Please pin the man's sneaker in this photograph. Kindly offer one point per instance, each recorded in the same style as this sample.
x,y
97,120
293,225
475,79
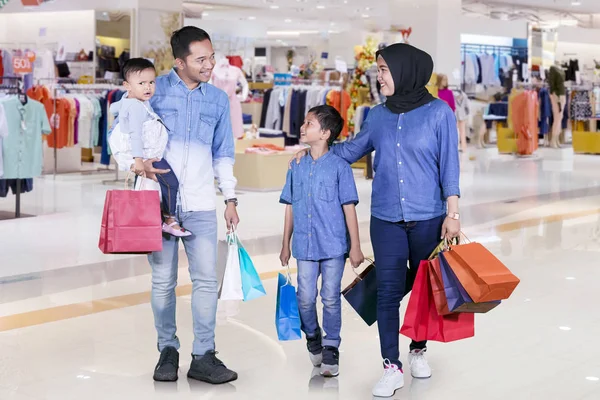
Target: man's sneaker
x,y
168,364
331,362
315,349
208,368
419,367
392,380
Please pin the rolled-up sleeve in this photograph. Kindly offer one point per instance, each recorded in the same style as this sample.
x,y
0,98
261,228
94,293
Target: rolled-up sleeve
x,y
223,152
449,160
286,194
346,186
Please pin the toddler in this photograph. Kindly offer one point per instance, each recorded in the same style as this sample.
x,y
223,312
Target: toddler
x,y
140,135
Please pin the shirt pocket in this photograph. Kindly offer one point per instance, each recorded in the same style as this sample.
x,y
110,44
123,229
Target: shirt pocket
x,y
326,192
297,192
206,131
169,120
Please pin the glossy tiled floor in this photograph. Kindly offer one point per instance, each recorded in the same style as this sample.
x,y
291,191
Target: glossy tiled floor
x,y
75,324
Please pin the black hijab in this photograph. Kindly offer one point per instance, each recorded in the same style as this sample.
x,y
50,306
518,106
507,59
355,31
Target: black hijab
x,y
411,70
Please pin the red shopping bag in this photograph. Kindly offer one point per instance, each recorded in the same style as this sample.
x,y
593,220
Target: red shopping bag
x,y
131,222
422,321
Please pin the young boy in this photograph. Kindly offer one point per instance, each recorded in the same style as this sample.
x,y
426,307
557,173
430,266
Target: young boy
x,y
320,197
146,136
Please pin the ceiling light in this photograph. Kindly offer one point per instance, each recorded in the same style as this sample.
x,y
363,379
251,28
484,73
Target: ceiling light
x,y
570,278
205,14
564,328
321,7
593,378
288,20
367,8
274,7
575,3
251,18
345,1
291,33
365,16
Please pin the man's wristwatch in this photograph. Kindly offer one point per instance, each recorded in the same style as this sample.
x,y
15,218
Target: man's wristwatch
x,y
233,200
455,216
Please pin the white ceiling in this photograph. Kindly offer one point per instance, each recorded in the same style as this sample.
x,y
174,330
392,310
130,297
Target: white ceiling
x,y
586,6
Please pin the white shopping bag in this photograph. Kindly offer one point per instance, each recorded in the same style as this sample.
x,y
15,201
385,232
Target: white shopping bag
x,y
232,280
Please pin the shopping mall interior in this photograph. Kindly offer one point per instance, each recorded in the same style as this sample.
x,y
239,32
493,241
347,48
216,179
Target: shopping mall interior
x,y
76,319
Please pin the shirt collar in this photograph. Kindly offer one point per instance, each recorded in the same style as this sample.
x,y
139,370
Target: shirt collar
x,y
174,79
322,158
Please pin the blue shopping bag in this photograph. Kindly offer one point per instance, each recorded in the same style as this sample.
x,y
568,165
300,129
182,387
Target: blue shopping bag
x,y
458,298
287,315
251,284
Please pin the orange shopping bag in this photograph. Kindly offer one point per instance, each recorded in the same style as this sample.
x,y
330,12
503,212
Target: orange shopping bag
x,y
482,275
422,321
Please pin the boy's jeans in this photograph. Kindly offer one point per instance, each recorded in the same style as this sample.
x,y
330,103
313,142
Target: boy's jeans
x,y
308,273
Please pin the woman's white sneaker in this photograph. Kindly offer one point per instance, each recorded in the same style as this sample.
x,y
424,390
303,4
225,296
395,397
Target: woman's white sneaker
x,y
392,380
419,367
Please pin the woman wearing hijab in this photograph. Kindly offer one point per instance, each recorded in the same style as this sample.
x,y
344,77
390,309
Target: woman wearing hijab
x,y
415,192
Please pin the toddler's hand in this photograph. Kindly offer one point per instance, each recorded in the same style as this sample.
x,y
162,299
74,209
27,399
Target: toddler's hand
x,y
285,256
138,167
356,257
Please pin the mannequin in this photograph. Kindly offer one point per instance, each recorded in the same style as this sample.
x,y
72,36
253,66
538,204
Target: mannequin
x,y
226,77
462,112
556,79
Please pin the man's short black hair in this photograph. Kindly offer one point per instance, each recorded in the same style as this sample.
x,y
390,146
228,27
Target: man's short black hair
x,y
330,119
181,40
135,65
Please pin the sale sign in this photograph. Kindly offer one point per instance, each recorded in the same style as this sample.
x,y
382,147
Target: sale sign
x,y
22,65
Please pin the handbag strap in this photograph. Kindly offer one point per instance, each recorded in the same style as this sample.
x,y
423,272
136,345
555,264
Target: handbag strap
x,y
366,259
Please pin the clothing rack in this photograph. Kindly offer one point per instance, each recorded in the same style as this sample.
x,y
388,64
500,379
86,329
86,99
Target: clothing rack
x,y
78,87
17,88
466,48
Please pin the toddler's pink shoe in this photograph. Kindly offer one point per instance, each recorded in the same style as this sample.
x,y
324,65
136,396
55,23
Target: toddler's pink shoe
x,y
177,232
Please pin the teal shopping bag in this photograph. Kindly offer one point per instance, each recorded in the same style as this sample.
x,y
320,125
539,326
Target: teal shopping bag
x,y
287,315
251,284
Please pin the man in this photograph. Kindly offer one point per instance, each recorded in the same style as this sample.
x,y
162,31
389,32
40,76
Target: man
x,y
200,149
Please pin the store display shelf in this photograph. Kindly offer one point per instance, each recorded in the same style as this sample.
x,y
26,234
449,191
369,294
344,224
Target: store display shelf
x,y
586,142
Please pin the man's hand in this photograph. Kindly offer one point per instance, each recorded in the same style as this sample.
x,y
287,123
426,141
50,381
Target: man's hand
x,y
450,229
285,256
138,167
231,216
151,171
356,257
298,157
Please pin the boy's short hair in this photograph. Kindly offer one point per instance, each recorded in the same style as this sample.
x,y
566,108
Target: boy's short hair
x,y
330,119
181,40
135,65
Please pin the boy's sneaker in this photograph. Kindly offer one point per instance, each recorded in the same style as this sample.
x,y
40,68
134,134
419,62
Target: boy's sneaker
x,y
419,367
331,362
392,380
315,349
168,364
208,368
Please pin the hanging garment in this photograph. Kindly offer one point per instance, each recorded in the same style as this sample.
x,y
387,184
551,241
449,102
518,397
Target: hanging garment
x,y
340,100
265,107
525,109
463,106
581,108
448,97
545,111
228,83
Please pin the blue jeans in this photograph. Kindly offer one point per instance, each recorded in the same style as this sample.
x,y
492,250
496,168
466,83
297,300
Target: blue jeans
x,y
397,245
308,273
169,185
201,250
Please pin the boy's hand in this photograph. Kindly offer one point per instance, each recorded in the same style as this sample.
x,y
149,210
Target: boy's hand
x,y
285,256
138,166
356,257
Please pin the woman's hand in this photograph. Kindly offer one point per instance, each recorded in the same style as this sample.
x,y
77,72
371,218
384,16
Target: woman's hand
x,y
450,229
298,157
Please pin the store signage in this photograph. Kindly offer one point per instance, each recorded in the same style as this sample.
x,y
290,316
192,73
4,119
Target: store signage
x,y
22,65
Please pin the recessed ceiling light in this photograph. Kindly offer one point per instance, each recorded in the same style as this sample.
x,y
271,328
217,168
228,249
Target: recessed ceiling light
x,y
365,16
251,18
593,378
321,7
570,278
273,7
564,328
288,20
345,1
575,3
205,14
368,8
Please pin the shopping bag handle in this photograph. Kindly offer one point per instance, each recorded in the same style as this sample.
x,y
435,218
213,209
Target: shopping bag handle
x,y
447,245
128,177
288,274
366,259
